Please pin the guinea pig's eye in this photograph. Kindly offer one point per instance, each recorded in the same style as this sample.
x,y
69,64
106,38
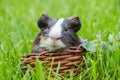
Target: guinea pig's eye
x,y
66,30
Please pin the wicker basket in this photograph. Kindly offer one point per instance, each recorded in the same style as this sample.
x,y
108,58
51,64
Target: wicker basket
x,y
68,58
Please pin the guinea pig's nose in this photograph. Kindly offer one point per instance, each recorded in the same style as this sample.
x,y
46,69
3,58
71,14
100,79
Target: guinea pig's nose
x,y
55,38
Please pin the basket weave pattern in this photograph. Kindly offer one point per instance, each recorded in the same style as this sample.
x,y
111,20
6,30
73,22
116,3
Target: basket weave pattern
x,y
67,58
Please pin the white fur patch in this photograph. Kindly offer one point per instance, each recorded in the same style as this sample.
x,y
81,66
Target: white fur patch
x,y
56,30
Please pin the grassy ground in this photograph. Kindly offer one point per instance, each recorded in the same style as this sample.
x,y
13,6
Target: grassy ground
x,y
18,29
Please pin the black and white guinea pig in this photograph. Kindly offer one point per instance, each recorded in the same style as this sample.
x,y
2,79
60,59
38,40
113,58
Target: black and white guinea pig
x,y
56,33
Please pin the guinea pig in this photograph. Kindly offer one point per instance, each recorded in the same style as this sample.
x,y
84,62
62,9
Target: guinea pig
x,y
56,33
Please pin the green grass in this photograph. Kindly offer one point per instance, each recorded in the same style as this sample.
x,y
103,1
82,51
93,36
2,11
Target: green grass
x,y
18,28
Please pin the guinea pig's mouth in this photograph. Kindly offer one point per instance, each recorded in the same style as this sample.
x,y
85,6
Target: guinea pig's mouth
x,y
54,47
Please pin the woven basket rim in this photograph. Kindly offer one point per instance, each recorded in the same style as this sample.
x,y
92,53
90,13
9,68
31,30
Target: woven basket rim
x,y
59,52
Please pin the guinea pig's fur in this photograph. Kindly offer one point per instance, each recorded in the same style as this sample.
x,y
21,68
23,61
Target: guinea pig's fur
x,y
56,33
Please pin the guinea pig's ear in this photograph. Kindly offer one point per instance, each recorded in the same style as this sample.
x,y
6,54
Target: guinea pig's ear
x,y
44,21
75,23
